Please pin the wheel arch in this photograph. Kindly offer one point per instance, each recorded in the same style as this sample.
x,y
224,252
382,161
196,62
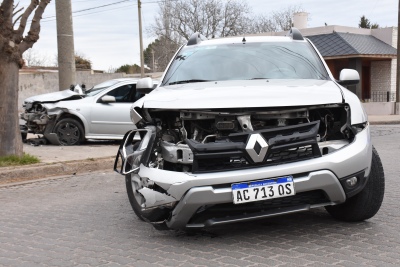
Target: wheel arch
x,y
76,116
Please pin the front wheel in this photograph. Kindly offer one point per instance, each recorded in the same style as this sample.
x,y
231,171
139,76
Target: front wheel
x,y
365,204
69,132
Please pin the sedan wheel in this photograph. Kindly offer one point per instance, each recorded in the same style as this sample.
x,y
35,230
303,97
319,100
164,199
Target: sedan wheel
x,y
69,132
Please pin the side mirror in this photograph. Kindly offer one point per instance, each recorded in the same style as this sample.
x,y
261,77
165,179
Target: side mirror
x,y
349,77
145,85
108,99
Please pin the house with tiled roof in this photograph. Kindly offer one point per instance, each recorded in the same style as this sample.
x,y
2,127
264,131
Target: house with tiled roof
x,y
372,52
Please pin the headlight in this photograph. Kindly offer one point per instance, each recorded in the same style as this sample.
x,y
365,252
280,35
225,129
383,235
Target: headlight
x,y
132,149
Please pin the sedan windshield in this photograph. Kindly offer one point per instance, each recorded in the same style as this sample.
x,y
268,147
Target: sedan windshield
x,y
247,61
100,87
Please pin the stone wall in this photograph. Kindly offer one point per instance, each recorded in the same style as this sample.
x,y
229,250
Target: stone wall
x,y
393,75
383,78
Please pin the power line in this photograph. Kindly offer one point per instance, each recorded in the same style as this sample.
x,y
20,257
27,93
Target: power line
x,y
53,18
91,8
90,13
83,1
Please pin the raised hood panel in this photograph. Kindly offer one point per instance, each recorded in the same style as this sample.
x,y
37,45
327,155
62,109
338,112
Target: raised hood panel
x,y
235,94
54,97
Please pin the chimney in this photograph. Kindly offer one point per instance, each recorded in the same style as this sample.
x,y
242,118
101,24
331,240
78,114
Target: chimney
x,y
300,20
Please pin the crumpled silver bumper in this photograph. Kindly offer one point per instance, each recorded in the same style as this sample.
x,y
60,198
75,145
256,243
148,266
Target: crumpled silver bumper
x,y
207,195
196,190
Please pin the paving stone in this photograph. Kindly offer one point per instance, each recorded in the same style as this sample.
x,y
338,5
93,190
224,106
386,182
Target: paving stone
x,y
81,221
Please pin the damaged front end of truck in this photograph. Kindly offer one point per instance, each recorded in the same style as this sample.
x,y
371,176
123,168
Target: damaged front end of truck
x,y
242,129
174,150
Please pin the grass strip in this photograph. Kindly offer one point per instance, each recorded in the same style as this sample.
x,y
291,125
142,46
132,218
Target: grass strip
x,y
13,160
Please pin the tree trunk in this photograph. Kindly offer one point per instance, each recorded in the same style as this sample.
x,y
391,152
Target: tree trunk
x,y
10,136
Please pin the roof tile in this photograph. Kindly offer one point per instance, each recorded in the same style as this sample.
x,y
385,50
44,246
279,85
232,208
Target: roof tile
x,y
342,44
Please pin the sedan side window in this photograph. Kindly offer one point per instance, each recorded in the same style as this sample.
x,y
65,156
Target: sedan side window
x,y
124,94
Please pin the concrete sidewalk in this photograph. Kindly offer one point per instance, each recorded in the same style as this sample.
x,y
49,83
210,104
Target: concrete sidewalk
x,y
89,157
384,119
63,160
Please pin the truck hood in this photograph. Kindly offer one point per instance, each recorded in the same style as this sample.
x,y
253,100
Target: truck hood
x,y
236,94
54,97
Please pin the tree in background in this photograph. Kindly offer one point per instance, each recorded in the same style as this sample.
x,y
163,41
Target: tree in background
x,y
129,69
276,21
158,54
81,62
33,58
148,54
13,43
177,20
366,23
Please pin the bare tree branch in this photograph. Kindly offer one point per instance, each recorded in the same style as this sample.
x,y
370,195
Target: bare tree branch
x,y
16,20
6,10
33,34
284,18
277,21
34,58
177,20
212,18
18,34
16,12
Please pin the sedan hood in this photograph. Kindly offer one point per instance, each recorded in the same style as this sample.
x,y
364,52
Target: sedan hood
x,y
236,94
54,97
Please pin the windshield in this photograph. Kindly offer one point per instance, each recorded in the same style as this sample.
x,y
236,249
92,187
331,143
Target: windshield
x,y
272,60
100,87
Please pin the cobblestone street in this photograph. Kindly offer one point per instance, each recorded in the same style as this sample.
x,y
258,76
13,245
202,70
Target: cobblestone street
x,y
87,221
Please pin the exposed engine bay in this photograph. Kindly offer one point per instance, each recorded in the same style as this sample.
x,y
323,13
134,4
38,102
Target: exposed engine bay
x,y
40,121
219,140
36,117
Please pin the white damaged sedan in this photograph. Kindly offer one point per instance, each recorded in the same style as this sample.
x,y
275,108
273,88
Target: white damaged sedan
x,y
70,117
247,128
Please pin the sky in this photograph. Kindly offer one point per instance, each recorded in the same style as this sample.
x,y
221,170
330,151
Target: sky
x,y
109,36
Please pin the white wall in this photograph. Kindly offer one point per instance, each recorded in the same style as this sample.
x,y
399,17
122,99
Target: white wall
x,y
387,35
379,108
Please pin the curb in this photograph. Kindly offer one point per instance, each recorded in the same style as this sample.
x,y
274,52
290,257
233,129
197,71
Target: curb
x,y
41,170
384,122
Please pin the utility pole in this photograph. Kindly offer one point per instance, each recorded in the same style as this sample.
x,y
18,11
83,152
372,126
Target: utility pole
x,y
398,64
65,42
154,66
141,40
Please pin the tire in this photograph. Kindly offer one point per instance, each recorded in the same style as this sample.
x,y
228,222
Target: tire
x,y
24,136
69,132
365,204
133,184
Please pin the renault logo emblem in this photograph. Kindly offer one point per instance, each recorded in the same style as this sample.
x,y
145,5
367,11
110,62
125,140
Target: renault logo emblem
x,y
257,147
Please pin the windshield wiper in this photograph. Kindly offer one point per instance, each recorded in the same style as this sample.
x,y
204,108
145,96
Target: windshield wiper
x,y
188,81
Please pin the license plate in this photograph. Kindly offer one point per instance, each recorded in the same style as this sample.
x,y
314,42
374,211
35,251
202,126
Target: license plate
x,y
263,190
